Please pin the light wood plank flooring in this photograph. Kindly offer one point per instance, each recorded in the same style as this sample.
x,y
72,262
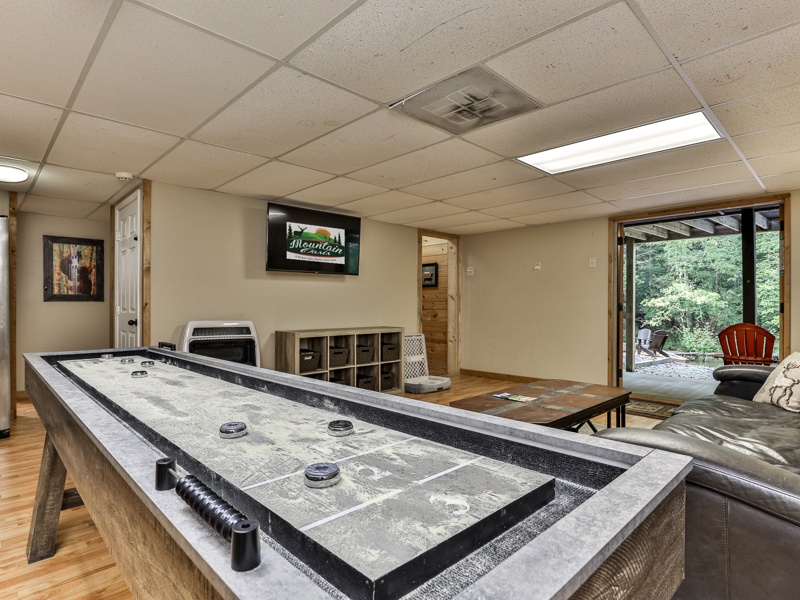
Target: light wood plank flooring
x,y
82,567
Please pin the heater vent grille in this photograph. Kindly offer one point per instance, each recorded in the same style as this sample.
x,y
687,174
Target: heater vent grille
x,y
467,101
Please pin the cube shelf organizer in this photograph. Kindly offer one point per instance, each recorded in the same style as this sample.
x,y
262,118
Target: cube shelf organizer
x,y
370,358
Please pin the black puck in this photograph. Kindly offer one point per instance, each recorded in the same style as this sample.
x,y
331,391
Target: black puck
x,y
148,363
139,374
340,428
322,475
233,429
126,361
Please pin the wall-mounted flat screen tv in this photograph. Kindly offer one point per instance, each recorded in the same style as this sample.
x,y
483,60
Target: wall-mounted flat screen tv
x,y
312,241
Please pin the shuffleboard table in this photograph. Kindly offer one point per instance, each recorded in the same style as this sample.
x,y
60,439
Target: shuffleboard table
x,y
427,501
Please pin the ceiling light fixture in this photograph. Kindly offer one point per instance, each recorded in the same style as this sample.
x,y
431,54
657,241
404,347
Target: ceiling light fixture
x,y
12,174
671,133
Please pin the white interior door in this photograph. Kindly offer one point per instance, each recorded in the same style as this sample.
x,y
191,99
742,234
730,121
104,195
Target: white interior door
x,y
128,276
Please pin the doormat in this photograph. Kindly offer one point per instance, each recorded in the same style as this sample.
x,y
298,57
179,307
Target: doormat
x,y
646,408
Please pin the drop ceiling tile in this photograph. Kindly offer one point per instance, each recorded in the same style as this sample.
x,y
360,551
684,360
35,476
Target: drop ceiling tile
x,y
735,189
390,201
101,213
763,64
597,51
777,164
496,175
782,183
622,106
763,111
540,205
156,72
393,47
708,154
59,207
432,210
276,27
282,112
74,184
197,165
771,141
674,182
48,71
273,180
96,144
691,28
529,190
487,227
337,191
375,138
465,218
26,128
452,156
570,214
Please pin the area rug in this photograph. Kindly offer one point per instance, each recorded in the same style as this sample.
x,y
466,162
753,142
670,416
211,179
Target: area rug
x,y
651,409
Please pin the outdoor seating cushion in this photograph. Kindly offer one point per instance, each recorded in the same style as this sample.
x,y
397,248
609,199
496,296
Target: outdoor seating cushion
x,y
782,387
756,430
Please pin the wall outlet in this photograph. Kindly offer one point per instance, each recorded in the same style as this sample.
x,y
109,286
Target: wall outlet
x,y
470,271
592,262
537,266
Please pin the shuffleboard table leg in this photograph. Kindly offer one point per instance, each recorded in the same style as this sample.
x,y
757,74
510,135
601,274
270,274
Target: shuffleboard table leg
x,y
47,504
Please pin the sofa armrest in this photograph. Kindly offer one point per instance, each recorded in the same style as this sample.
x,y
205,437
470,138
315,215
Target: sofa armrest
x,y
741,381
727,472
754,373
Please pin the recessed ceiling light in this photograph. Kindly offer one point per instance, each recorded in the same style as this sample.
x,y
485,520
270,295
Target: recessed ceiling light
x,y
672,133
12,174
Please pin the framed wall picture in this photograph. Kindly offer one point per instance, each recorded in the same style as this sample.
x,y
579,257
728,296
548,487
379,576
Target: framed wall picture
x,y
430,275
73,269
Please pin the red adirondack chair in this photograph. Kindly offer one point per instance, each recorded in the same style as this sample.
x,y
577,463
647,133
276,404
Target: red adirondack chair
x,y
746,344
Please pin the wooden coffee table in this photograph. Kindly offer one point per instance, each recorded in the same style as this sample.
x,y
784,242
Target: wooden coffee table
x,y
559,403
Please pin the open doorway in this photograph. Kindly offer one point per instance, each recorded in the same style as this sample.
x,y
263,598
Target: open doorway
x,y
439,302
683,279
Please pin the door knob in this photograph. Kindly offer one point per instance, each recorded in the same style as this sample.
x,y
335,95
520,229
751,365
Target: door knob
x,y
133,322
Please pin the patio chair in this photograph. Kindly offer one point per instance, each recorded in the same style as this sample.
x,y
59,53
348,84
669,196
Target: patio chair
x,y
418,379
657,342
746,344
643,342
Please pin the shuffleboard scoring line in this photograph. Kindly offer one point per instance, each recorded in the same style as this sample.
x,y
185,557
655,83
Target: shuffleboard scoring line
x,y
341,460
386,496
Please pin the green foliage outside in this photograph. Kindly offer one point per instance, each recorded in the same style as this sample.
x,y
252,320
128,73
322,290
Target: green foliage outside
x,y
693,288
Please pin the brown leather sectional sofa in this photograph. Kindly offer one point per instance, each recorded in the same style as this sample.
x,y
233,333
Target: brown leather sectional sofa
x,y
743,493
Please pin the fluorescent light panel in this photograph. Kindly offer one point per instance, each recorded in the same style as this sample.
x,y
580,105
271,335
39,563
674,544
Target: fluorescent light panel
x,y
672,133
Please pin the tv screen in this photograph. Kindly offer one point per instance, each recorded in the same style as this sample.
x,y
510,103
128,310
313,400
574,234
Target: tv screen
x,y
312,241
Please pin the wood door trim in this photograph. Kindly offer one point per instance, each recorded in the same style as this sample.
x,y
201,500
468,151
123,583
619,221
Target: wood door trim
x,y
147,190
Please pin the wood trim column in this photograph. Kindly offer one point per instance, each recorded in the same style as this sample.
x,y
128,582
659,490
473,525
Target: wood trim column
x,y
786,277
12,299
147,187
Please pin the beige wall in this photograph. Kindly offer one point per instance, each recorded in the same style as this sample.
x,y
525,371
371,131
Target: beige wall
x,y
55,326
3,203
548,323
208,262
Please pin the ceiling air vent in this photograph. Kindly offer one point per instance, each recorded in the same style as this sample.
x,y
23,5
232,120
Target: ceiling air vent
x,y
466,102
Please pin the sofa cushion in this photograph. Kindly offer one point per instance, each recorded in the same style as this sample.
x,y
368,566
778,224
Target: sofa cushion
x,y
782,387
773,442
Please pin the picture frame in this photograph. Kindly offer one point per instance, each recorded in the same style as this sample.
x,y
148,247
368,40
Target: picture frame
x,y
73,269
430,275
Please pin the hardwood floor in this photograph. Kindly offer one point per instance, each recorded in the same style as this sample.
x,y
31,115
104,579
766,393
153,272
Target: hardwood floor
x,y
82,567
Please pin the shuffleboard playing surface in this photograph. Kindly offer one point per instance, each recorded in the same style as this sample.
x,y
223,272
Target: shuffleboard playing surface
x,y
400,497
